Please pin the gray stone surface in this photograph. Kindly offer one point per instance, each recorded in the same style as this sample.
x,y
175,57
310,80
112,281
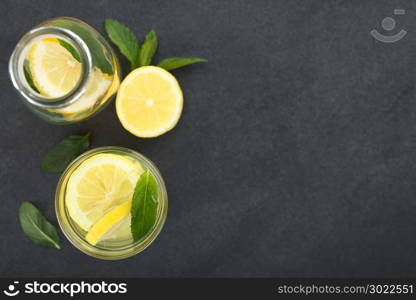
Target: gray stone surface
x,y
295,155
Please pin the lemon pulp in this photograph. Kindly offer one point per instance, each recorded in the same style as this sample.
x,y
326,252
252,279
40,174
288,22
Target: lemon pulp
x,y
149,102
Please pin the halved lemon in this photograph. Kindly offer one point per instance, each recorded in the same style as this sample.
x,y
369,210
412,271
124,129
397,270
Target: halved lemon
x,y
54,70
99,185
149,102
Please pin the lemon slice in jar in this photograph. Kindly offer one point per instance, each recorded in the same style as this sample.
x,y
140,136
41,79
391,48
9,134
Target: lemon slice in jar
x,y
55,72
96,88
107,222
99,185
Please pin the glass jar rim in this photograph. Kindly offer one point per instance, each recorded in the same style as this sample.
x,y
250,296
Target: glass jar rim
x,y
100,252
16,68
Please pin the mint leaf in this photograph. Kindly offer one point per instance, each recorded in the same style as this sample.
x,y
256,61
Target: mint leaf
x,y
148,49
124,39
63,153
37,227
172,63
144,206
70,49
28,76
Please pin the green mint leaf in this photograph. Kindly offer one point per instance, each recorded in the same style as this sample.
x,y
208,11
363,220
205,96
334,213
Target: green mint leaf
x,y
173,63
28,76
37,227
70,49
148,49
144,206
63,153
93,40
124,39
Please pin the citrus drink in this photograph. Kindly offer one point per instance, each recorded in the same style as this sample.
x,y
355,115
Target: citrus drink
x,y
94,200
64,70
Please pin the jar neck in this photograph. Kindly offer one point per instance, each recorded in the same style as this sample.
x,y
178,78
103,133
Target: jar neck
x,y
17,60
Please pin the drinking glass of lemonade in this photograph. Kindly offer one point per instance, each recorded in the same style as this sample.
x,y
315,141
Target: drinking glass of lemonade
x,y
94,198
64,70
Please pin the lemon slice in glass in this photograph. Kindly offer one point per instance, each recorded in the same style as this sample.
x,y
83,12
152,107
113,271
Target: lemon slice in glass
x,y
108,222
149,102
98,186
54,70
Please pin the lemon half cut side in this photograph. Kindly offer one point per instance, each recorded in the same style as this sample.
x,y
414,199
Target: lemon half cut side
x,y
149,102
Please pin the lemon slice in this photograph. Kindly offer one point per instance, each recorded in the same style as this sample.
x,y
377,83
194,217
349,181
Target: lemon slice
x,y
149,102
119,234
96,88
106,223
54,70
98,185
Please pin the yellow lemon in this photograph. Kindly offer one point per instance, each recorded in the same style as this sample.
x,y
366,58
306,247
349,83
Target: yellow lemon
x,y
107,222
96,88
55,72
149,102
99,185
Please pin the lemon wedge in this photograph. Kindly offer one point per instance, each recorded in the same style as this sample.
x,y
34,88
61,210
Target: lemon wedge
x,y
107,222
149,102
54,70
99,185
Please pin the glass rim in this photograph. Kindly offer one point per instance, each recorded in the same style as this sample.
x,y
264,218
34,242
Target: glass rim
x,y
16,73
78,241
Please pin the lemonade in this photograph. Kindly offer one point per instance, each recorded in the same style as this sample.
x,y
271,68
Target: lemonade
x,y
64,70
94,200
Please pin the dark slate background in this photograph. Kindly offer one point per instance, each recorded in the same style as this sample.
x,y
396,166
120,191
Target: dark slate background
x,y
295,154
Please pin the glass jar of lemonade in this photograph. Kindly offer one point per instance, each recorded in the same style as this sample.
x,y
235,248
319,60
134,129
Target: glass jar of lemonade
x,y
93,202
64,70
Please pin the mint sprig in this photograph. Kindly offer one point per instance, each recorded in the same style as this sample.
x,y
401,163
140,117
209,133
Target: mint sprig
x,y
37,227
63,153
148,48
29,78
144,206
141,56
124,39
70,49
173,63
